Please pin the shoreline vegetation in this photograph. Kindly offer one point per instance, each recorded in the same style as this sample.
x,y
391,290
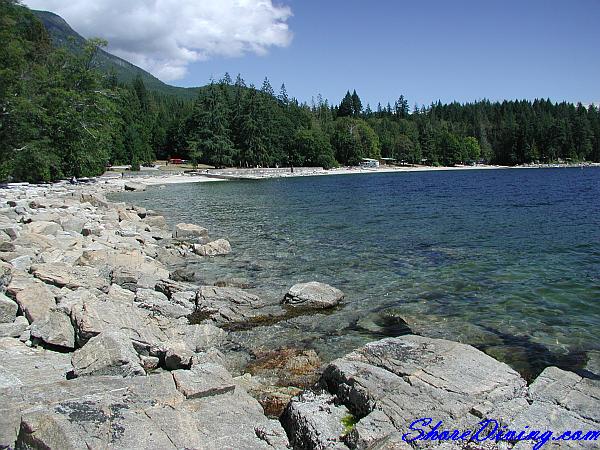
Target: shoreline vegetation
x,y
66,114
103,344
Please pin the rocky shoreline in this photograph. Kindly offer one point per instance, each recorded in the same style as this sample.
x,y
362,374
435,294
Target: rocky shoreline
x,y
103,344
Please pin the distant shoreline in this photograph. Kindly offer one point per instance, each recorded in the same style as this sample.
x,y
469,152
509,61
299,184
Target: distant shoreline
x,y
157,178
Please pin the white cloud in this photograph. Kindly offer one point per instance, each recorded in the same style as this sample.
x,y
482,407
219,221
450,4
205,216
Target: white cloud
x,y
165,36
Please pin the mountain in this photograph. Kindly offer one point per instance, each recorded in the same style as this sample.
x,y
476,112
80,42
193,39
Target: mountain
x,y
63,35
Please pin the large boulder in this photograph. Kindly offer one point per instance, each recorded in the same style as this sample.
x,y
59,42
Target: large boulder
x,y
156,222
313,295
14,329
159,303
72,277
219,247
8,309
227,305
93,315
390,383
43,227
36,301
134,186
25,366
55,329
109,353
190,232
139,412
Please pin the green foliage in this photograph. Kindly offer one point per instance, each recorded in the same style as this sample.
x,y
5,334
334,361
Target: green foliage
x,y
71,110
349,422
353,140
313,149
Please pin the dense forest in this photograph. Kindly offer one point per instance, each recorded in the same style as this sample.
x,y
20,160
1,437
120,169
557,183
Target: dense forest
x,y
61,116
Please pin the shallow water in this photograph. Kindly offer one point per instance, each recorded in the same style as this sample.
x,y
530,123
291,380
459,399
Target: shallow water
x,y
507,260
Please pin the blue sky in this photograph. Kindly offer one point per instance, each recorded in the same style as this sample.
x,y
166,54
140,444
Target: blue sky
x,y
427,50
449,50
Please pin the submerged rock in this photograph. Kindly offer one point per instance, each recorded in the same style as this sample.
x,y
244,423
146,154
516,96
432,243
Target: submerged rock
x,y
313,295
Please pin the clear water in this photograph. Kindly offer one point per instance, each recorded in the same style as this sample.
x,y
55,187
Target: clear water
x,y
506,260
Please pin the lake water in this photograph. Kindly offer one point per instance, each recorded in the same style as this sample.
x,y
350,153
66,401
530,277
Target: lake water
x,y
506,260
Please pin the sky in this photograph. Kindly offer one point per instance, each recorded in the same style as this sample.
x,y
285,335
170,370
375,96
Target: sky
x,y
429,50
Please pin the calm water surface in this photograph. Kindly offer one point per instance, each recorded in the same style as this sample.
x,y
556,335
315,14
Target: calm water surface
x,y
507,260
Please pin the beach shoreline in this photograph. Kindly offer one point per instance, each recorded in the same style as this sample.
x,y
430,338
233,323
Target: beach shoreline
x,y
209,175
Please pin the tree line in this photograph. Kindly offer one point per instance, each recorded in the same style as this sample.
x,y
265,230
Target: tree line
x,y
61,117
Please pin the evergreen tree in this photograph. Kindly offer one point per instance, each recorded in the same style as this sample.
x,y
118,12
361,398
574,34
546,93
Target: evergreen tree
x,y
209,140
283,96
356,104
346,107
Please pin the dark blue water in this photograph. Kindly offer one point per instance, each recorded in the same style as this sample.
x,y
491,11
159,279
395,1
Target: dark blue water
x,y
507,260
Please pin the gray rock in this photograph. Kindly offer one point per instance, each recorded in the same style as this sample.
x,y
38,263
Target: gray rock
x,y
36,301
22,263
314,421
94,199
8,309
133,186
203,381
170,287
159,303
393,381
72,277
141,412
569,391
35,242
199,338
92,316
6,247
11,231
219,247
21,365
14,329
149,363
227,305
178,356
593,362
182,275
313,295
119,294
190,232
54,329
5,275
43,227
109,353
71,223
157,222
